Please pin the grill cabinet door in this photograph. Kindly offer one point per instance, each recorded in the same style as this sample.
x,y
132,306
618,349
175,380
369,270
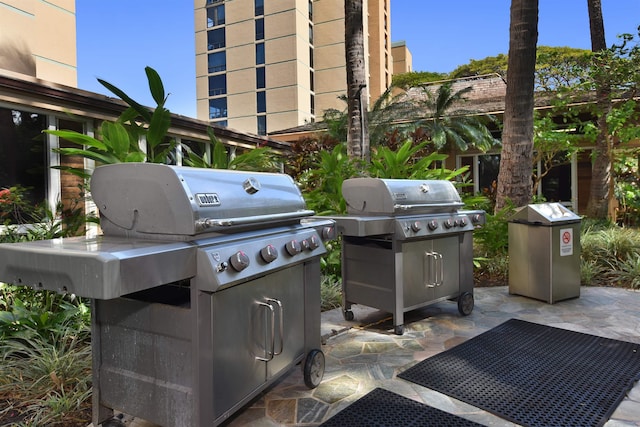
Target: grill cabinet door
x,y
242,334
430,270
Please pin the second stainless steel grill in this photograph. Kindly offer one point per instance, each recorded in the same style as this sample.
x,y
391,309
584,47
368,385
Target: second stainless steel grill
x,y
405,244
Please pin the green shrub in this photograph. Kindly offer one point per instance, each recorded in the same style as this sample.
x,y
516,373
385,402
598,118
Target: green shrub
x,y
610,255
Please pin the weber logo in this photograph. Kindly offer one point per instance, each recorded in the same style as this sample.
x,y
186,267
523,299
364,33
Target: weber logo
x,y
208,199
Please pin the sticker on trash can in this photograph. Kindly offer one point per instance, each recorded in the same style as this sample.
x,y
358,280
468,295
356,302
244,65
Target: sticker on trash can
x,y
566,241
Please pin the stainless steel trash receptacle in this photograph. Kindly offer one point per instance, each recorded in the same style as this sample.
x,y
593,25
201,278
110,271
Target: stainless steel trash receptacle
x,y
544,252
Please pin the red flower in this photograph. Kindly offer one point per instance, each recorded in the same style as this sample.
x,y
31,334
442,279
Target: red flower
x,y
5,193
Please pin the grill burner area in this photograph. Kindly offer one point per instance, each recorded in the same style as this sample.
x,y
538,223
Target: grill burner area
x,y
405,245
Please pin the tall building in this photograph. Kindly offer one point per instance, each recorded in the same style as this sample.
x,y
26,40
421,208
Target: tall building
x,y
38,38
263,66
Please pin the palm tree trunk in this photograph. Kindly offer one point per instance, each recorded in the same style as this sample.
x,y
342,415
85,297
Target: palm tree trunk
x,y
601,191
357,103
516,167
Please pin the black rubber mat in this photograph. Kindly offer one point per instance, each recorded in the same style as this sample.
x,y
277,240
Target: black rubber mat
x,y
382,408
535,375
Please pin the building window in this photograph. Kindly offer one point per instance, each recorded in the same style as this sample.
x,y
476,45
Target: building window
x,y
217,85
262,125
215,39
215,16
214,1
311,56
310,33
311,81
312,104
556,183
260,29
261,81
260,59
261,101
221,123
23,154
311,10
259,4
217,61
217,108
483,170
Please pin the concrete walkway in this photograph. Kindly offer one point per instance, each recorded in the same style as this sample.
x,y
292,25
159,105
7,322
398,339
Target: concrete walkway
x,y
365,353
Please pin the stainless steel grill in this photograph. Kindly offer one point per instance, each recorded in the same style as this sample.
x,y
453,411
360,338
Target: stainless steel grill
x,y
205,288
405,245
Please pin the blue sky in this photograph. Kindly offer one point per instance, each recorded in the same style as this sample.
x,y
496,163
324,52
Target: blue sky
x,y
118,38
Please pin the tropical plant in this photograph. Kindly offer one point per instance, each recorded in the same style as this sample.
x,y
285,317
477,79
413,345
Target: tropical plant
x,y
446,130
257,159
322,185
119,140
410,162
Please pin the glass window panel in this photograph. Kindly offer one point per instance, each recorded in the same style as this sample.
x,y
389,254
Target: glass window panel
x,y
259,7
217,61
261,98
311,81
216,39
310,33
262,125
217,85
217,108
311,56
23,155
261,81
260,59
556,184
215,16
488,168
260,29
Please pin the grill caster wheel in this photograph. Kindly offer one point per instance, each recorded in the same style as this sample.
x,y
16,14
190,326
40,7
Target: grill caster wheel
x,y
313,369
465,303
398,329
348,315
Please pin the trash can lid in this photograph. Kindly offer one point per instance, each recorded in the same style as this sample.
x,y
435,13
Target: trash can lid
x,y
544,214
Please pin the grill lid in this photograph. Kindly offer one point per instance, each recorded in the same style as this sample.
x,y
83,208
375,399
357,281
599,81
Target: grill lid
x,y
150,199
376,196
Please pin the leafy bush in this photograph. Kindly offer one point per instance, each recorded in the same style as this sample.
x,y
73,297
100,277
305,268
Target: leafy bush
x,y
610,255
45,379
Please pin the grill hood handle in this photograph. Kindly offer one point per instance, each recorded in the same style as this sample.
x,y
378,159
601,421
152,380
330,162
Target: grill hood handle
x,y
452,205
207,223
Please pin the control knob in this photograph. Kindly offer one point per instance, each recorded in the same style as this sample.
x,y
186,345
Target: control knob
x,y
433,224
312,243
416,226
239,261
448,223
463,222
269,253
328,233
293,247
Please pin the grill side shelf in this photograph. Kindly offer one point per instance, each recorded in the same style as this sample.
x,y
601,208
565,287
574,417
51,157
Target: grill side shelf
x,y
99,268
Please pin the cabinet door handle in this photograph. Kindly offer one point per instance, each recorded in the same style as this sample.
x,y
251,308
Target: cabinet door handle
x,y
278,303
429,258
439,268
271,353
